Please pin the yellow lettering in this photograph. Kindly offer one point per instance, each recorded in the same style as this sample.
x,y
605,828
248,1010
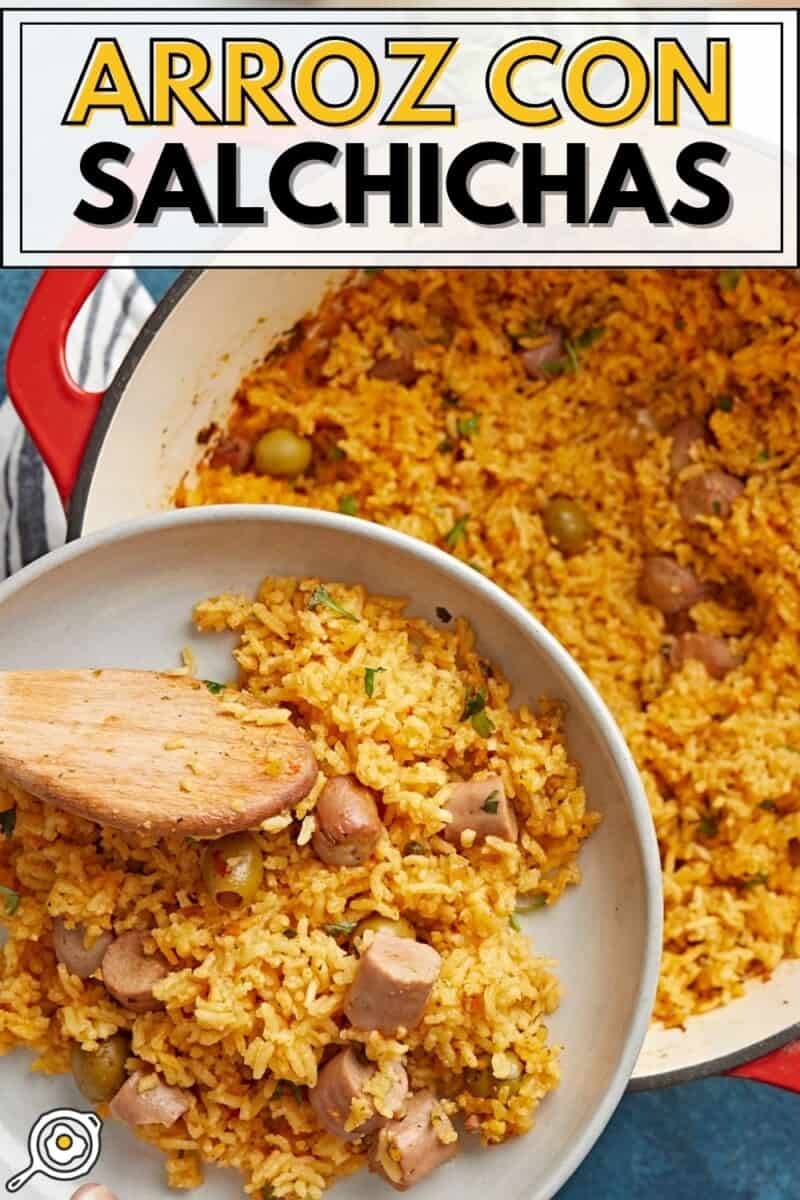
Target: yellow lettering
x,y
105,83
577,75
179,69
673,67
408,107
305,82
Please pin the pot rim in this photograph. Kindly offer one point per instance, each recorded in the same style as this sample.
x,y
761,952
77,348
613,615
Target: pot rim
x,y
113,395
75,517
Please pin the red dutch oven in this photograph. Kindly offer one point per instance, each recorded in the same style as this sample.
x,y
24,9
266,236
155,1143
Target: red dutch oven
x,y
120,454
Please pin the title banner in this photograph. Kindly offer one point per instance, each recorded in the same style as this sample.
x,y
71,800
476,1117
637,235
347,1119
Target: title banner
x,y
381,136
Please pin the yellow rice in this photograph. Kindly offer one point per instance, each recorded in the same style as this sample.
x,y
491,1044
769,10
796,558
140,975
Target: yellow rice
x,y
720,760
254,997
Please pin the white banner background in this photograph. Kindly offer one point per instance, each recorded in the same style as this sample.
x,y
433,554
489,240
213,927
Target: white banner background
x,y
44,53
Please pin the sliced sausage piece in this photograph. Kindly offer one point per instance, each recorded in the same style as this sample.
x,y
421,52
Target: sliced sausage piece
x,y
158,1105
394,980
348,825
482,805
399,367
341,1081
233,452
93,1191
130,974
713,652
408,1150
72,952
668,586
549,351
687,433
708,495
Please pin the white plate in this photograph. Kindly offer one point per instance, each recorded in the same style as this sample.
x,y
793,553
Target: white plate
x,y
123,598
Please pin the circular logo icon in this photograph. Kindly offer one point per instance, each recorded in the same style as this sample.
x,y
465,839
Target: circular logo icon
x,y
63,1144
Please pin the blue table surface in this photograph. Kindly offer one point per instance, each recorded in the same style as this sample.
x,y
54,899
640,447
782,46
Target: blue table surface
x,y
717,1139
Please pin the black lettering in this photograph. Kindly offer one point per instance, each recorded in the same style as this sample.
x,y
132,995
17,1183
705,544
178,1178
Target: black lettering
x,y
281,183
174,163
719,198
629,162
459,176
359,184
430,183
536,183
229,210
93,160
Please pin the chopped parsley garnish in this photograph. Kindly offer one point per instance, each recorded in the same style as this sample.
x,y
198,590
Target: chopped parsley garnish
x,y
572,359
10,899
716,507
728,280
369,679
336,453
348,505
708,826
557,367
474,702
768,806
725,403
445,446
8,820
763,456
531,902
466,426
572,354
283,1086
514,923
321,596
680,324
482,724
341,928
491,803
755,880
475,713
443,614
589,337
476,567
214,687
457,533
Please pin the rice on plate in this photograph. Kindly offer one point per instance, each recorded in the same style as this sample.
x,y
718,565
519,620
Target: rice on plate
x,y
238,1001
617,449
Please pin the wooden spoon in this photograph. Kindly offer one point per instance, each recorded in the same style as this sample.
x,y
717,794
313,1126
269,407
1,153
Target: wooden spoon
x,y
148,752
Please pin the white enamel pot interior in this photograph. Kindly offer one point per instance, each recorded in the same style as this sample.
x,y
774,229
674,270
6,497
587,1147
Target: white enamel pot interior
x,y
123,597
180,374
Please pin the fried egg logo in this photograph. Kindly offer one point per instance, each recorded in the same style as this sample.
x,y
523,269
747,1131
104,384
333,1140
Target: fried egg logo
x,y
63,1144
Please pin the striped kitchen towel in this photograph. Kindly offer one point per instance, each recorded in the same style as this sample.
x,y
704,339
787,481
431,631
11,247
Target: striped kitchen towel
x,y
31,517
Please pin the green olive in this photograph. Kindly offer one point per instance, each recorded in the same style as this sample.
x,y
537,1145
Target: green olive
x,y
480,1081
282,452
100,1073
400,928
233,869
566,524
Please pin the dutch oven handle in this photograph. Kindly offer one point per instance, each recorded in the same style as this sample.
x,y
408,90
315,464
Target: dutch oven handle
x,y
59,415
781,1068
